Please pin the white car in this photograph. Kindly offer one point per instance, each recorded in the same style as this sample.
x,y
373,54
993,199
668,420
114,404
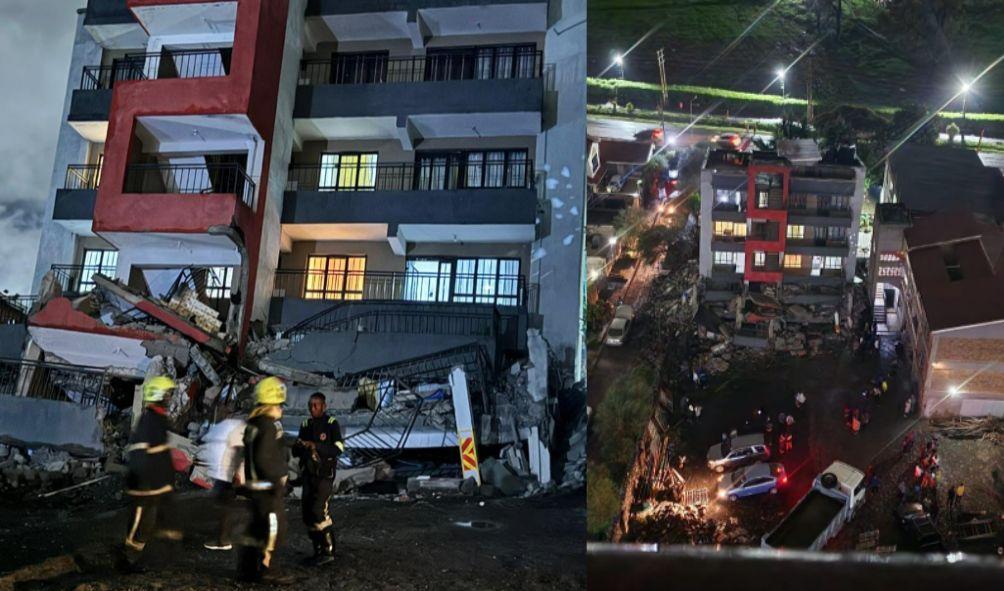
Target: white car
x,y
618,330
752,480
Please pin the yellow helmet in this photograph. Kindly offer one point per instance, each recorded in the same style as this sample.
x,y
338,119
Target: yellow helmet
x,y
156,388
271,390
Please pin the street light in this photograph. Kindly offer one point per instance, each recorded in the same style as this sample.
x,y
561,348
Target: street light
x,y
619,60
964,88
612,241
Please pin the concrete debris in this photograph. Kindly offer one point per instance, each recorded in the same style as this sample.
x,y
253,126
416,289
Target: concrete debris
x,y
348,479
499,475
204,364
575,460
514,458
187,305
537,368
163,348
429,485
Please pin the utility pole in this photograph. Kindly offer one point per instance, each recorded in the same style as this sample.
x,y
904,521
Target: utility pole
x,y
661,57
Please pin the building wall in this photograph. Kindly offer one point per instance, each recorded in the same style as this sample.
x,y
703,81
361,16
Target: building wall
x,y
380,256
559,259
707,223
57,244
966,374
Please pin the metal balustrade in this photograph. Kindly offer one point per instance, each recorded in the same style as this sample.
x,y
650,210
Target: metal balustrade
x,y
54,381
446,176
464,288
175,63
82,176
491,64
190,178
14,309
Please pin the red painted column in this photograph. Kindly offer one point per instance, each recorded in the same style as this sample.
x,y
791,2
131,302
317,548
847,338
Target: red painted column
x,y
772,215
251,89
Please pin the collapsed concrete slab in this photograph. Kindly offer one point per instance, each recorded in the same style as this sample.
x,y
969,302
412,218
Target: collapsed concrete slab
x,y
33,422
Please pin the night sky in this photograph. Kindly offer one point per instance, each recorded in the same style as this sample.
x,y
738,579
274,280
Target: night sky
x,y
36,38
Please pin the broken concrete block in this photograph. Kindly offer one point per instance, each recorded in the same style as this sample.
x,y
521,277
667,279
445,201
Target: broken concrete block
x,y
162,348
204,365
348,479
537,372
469,487
430,485
498,475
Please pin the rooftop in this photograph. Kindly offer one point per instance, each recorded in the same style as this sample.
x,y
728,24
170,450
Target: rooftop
x,y
946,179
956,264
624,151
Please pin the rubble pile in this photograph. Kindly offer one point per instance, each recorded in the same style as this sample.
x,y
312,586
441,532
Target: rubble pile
x,y
676,523
985,428
24,471
575,461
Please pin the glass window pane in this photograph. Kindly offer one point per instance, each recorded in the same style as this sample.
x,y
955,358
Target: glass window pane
x,y
483,66
348,171
504,62
315,277
367,171
475,162
495,169
329,172
355,278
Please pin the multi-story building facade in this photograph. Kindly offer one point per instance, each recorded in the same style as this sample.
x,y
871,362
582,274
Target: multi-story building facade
x,y
419,154
921,181
952,324
770,225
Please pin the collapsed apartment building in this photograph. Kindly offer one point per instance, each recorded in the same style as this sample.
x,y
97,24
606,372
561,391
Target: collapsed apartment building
x,y
778,242
377,202
934,275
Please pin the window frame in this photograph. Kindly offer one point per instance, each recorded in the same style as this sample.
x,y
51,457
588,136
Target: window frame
x,y
84,283
346,276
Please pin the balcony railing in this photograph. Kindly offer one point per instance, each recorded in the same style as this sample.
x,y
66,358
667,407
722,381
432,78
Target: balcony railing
x,y
821,211
837,242
180,63
190,178
82,176
500,290
15,308
411,177
52,381
105,77
461,65
75,280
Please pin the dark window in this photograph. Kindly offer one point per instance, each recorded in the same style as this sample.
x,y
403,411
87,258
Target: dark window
x,y
489,169
952,265
359,68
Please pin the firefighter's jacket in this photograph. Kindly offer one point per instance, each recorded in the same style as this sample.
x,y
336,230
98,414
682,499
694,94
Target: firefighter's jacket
x,y
151,471
326,435
265,462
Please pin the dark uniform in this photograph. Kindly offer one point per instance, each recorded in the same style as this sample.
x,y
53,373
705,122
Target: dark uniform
x,y
318,474
149,479
265,471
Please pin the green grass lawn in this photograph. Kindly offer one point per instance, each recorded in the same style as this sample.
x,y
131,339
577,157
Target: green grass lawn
x,y
880,59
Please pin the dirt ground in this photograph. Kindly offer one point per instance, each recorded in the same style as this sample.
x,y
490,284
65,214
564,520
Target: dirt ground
x,y
444,543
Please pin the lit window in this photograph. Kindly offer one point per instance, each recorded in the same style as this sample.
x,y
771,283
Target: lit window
x,y
889,258
348,172
335,278
725,257
792,261
759,258
833,262
796,232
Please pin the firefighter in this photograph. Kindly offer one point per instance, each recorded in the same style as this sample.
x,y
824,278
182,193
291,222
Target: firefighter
x,y
318,446
150,476
265,472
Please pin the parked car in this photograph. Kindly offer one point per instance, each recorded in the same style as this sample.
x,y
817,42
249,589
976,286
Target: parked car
x,y
729,141
752,480
618,330
614,282
744,450
921,533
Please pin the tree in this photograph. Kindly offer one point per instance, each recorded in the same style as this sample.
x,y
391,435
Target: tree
x,y
621,418
630,223
906,118
654,241
603,501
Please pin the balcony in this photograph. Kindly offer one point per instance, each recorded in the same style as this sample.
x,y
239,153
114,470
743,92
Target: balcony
x,y
817,246
92,101
75,200
85,386
14,309
75,280
404,302
208,179
442,83
411,194
770,198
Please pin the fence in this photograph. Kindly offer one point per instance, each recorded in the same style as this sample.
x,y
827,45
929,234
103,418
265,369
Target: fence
x,y
499,63
82,176
465,288
178,63
431,176
190,178
53,381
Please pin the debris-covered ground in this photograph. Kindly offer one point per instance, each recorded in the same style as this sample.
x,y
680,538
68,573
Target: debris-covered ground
x,y
384,542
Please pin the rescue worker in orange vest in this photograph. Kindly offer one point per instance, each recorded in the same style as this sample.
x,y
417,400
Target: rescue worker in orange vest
x,y
265,473
318,446
150,476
